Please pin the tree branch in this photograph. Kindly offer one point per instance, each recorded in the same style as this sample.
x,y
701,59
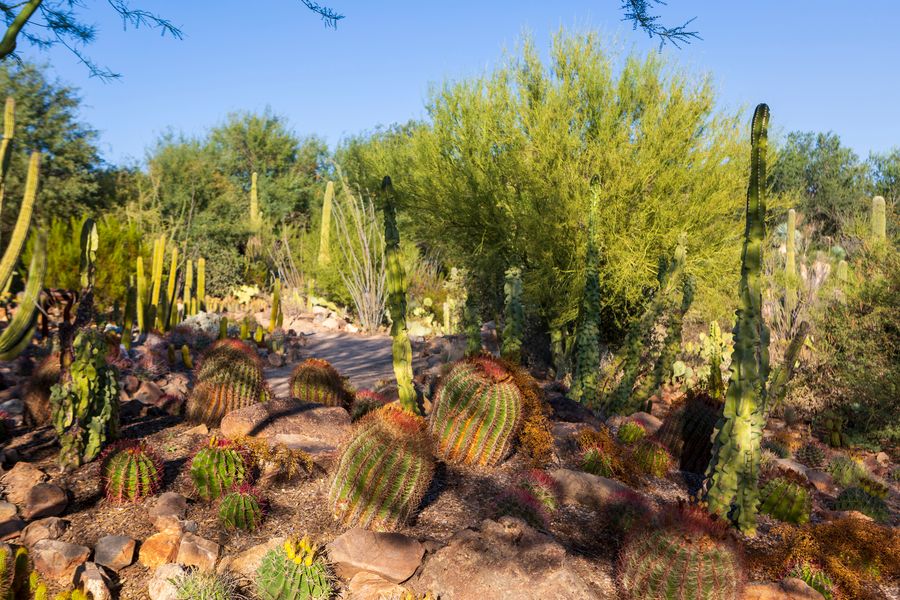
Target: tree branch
x,y
8,43
638,11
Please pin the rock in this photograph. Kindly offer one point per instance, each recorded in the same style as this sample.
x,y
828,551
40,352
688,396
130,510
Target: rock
x,y
131,384
789,588
820,480
51,528
334,323
148,393
13,407
19,480
8,511
11,528
313,428
351,328
159,548
195,551
883,459
369,586
45,500
160,587
168,512
577,487
114,551
275,360
245,563
505,559
650,423
564,444
91,578
176,385
58,560
200,429
393,556
787,464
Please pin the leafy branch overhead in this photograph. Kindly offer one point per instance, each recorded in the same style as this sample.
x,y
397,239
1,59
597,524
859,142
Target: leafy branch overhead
x,y
638,11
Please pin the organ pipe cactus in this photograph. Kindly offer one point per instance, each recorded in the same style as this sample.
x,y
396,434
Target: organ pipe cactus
x,y
315,380
217,467
201,284
188,287
255,222
9,127
276,317
585,383
141,290
294,571
401,349
229,376
325,230
477,412
156,270
130,472
514,314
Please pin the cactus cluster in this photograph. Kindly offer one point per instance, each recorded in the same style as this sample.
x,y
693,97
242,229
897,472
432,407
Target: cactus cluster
x,y
130,472
364,402
217,468
873,487
315,380
652,458
477,412
229,377
846,471
815,578
384,470
812,455
241,509
831,429
514,316
687,431
205,585
295,571
630,432
786,501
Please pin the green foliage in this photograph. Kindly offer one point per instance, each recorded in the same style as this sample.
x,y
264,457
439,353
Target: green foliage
x,y
85,406
815,578
786,500
383,472
630,432
651,458
846,471
873,487
477,412
229,376
315,380
855,498
687,431
130,472
514,316
295,571
241,509
204,585
216,468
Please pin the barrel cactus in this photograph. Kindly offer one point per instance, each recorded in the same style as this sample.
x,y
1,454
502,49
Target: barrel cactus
x,y
130,471
873,487
687,557
812,455
229,377
477,412
652,458
856,498
597,462
294,571
786,501
218,467
315,380
523,504
543,487
364,402
241,509
384,470
630,432
204,585
687,432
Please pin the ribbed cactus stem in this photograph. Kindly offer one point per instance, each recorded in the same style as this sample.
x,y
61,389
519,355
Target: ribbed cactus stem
x,y
790,268
171,302
188,286
90,243
141,290
396,285
131,300
18,333
9,126
325,231
843,272
254,204
276,306
201,284
156,270
514,315
23,222
879,220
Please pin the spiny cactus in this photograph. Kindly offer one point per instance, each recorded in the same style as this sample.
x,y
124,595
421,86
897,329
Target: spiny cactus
x,y
815,578
652,458
276,318
873,487
630,432
856,498
229,377
241,509
325,229
140,306
597,462
201,284
186,357
879,220
522,503
188,284
585,382
846,471
543,487
15,567
130,472
786,501
687,558
295,571
687,431
364,402
223,328
205,585
85,406
156,270
514,315
384,470
477,412
218,467
831,428
812,455
315,380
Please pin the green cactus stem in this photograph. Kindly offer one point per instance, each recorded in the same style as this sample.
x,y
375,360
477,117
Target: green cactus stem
x,y
156,271
241,509
514,315
18,333
223,328
141,304
23,222
229,377
218,467
316,381
130,471
276,318
585,382
255,222
201,284
790,269
325,230
786,501
9,126
188,287
186,359
879,220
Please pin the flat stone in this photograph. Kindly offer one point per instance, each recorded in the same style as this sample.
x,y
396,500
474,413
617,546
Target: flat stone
x,y
393,556
58,560
369,586
130,384
19,480
195,551
114,551
789,588
200,429
787,464
50,528
8,510
247,562
820,480
159,549
11,528
577,487
160,586
45,500
648,421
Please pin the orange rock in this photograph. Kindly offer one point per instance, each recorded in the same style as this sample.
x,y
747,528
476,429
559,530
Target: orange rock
x,y
159,549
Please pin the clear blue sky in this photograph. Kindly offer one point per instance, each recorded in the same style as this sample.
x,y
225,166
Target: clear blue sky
x,y
821,65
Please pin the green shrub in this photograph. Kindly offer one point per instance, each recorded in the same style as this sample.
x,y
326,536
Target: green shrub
x,y
846,471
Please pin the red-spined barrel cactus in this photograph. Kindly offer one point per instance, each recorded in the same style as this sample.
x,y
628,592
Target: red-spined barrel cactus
x,y
217,467
383,472
364,402
229,377
130,471
315,380
477,412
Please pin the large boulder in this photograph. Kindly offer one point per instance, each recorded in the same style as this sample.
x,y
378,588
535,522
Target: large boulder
x,y
593,491
19,480
44,500
393,556
502,559
58,560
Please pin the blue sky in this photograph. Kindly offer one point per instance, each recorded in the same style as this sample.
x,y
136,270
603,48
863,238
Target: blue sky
x,y
821,65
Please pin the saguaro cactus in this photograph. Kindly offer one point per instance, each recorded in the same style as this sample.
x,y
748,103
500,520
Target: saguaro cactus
x,y
879,220
276,318
325,230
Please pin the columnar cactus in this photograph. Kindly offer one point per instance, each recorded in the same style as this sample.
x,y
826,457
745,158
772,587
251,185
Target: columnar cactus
x,y
325,229
156,271
514,315
255,221
188,287
15,567
585,382
295,571
786,501
383,472
229,376
241,509
276,318
315,380
171,301
217,467
141,304
130,472
879,220
790,269
201,284
18,333
477,413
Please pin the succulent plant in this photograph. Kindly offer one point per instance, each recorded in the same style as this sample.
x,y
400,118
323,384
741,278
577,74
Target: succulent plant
x,y
776,447
630,432
522,503
15,567
241,509
625,510
229,377
855,498
514,316
364,402
687,431
652,458
846,471
477,412
815,578
812,455
218,467
543,487
205,585
130,471
384,470
786,501
873,487
315,380
295,571
597,462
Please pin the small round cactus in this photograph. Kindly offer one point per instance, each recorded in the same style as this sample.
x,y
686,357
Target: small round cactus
x,y
203,585
597,462
543,487
241,509
315,380
522,503
130,471
873,487
786,501
855,498
218,467
812,455
630,432
295,571
364,402
652,458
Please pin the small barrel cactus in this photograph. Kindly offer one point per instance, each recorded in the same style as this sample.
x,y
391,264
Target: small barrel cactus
x,y
204,585
130,471
786,501
873,487
776,447
689,557
229,377
295,571
652,458
477,412
846,471
522,503
597,462
315,380
218,467
630,432
384,470
543,487
364,402
812,455
855,498
241,509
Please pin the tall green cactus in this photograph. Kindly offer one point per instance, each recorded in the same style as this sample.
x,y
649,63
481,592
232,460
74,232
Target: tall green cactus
x,y
23,221
325,230
156,271
188,287
514,315
9,127
141,291
131,300
879,220
585,382
15,570
201,284
18,333
401,348
790,269
90,243
276,318
171,303
255,222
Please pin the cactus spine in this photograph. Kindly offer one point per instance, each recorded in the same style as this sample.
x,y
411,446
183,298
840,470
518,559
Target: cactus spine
x,y
325,231
585,383
514,314
879,220
229,377
316,381
396,285
23,221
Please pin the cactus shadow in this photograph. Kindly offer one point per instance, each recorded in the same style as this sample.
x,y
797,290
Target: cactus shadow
x,y
437,487
171,470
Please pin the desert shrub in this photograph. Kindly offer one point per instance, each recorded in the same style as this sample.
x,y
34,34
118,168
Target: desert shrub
x,y
535,439
846,471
